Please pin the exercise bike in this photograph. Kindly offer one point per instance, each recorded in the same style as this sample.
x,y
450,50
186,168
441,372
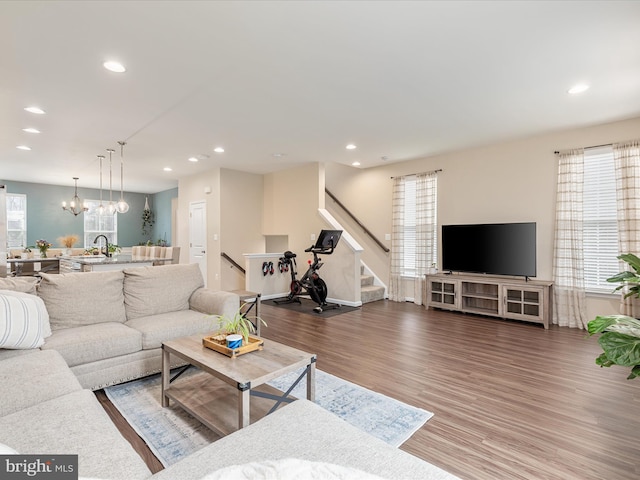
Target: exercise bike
x,y
310,282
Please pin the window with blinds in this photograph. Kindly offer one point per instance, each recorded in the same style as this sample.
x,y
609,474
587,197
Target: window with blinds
x,y
96,224
16,220
410,231
409,240
600,226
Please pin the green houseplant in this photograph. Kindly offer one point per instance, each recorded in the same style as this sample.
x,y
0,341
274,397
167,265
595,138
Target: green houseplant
x,y
239,324
620,334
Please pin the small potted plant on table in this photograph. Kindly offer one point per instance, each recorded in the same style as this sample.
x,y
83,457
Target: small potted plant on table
x,y
234,332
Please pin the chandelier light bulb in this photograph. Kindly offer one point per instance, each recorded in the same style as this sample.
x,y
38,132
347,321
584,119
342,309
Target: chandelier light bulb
x,y
122,206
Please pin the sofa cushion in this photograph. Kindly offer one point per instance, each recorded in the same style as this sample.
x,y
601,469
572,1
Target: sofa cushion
x,y
34,378
26,284
75,299
74,424
24,321
10,353
306,431
90,343
290,469
156,329
162,289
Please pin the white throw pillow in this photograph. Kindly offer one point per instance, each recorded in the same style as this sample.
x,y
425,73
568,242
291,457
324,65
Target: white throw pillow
x,y
6,450
290,469
24,320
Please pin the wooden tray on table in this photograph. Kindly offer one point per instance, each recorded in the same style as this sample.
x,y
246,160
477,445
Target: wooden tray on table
x,y
254,343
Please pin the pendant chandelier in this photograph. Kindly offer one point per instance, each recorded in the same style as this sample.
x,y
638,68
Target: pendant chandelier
x,y
101,209
111,207
76,206
122,206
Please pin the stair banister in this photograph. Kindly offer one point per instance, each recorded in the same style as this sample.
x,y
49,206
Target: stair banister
x,y
358,222
232,262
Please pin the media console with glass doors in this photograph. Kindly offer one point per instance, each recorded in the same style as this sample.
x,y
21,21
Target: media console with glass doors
x,y
504,297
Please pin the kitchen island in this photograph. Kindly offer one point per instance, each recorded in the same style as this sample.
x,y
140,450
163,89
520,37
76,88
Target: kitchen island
x,y
100,263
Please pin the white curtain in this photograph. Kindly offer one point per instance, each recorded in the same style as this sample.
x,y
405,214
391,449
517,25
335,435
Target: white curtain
x,y
426,238
627,166
425,234
569,305
396,287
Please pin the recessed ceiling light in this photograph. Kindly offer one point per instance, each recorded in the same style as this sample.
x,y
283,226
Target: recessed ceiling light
x,y
193,159
168,169
31,130
218,150
278,155
23,147
351,146
36,110
578,88
356,164
116,67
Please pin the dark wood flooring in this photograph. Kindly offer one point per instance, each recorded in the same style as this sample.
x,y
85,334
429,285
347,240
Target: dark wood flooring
x,y
511,400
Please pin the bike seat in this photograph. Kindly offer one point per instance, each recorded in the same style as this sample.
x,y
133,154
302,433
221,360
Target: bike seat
x,y
289,254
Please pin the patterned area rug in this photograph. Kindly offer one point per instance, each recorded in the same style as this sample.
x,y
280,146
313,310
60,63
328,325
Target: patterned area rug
x,y
172,434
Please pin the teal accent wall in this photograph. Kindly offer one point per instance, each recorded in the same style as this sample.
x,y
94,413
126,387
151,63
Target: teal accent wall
x,y
47,220
161,206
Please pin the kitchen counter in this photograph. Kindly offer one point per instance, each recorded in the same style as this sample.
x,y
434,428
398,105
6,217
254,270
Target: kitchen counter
x,y
95,263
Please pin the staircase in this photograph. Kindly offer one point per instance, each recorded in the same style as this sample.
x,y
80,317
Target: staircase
x,y
368,291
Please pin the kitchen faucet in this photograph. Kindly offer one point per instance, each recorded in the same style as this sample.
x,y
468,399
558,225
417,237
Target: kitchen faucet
x,y
106,244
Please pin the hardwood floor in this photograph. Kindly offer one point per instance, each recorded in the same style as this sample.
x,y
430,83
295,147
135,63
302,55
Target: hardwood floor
x,y
511,400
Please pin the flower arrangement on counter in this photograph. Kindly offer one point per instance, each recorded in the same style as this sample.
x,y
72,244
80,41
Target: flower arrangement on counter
x,y
43,246
68,240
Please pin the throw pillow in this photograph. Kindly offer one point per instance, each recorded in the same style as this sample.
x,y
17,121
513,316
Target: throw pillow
x,y
78,299
26,284
24,321
163,289
6,450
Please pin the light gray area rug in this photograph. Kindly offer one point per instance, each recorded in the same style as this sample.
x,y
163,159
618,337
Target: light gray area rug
x,y
172,434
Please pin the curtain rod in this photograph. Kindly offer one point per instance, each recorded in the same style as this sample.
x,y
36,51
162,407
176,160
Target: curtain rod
x,y
409,174
592,146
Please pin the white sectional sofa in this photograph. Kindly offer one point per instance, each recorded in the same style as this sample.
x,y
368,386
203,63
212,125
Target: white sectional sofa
x,y
109,326
106,328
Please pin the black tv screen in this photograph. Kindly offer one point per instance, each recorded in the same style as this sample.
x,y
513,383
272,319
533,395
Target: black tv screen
x,y
495,248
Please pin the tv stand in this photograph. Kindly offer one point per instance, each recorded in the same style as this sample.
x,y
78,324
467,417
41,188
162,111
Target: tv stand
x,y
504,297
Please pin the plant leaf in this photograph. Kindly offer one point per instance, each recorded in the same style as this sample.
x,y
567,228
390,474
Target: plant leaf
x,y
601,323
621,349
631,259
603,360
635,372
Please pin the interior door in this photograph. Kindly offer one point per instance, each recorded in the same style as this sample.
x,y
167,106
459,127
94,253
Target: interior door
x,y
198,236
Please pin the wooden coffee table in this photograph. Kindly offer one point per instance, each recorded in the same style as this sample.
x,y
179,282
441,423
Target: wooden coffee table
x,y
221,396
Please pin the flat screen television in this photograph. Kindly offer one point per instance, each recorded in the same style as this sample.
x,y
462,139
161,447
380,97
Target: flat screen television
x,y
493,248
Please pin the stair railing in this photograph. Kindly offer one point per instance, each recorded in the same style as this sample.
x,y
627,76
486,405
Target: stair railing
x,y
358,222
233,262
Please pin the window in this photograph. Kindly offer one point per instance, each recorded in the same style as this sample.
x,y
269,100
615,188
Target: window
x,y
600,225
96,224
16,220
410,233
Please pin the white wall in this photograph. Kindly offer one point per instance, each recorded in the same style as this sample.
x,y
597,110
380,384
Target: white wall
x,y
192,189
506,182
241,198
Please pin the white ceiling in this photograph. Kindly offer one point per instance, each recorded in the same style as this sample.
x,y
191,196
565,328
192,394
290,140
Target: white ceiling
x,y
402,80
